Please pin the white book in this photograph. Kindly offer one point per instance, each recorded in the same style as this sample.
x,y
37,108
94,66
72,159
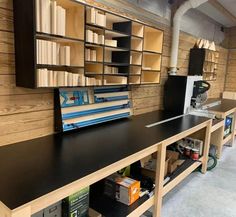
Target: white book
x,y
89,36
81,80
38,13
37,51
90,15
43,15
60,79
49,52
38,77
59,27
50,78
100,39
55,79
66,78
48,16
54,53
44,78
63,21
93,55
67,55
58,48
95,38
75,80
87,54
54,17
70,79
43,48
62,55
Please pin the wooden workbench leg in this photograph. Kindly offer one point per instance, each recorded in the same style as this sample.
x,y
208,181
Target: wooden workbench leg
x,y
206,147
221,145
23,212
160,170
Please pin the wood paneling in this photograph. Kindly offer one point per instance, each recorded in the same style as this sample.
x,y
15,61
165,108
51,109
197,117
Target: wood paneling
x,y
27,114
230,84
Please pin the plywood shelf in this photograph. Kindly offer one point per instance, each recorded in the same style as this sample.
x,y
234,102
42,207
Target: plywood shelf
x,y
151,62
57,38
150,77
153,39
136,44
137,29
136,58
129,57
134,79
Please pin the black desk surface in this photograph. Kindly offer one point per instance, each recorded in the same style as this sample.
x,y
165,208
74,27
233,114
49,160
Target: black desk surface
x,y
36,167
226,105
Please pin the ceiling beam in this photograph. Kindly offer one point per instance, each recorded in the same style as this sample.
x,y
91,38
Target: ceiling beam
x,y
222,9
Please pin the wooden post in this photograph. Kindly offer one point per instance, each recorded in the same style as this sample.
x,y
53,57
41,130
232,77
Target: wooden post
x,y
160,170
206,147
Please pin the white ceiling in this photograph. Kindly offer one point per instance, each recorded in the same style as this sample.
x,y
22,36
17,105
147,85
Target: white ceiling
x,y
216,14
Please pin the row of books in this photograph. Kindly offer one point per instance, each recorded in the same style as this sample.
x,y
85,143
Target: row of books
x,y
111,70
96,17
93,37
92,81
49,78
90,55
50,17
52,53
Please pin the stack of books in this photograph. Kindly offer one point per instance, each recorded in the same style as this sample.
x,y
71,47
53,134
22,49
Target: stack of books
x,y
96,17
111,70
91,81
52,53
49,78
93,37
90,55
50,17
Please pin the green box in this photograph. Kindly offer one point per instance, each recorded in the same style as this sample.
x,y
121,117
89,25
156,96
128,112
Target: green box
x,y
76,205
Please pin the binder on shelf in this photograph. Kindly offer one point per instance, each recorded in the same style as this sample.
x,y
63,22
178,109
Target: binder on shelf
x,y
100,39
93,55
95,38
87,54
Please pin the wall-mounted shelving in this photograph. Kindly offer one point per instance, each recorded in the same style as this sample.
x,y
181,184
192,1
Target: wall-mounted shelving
x,y
203,62
84,45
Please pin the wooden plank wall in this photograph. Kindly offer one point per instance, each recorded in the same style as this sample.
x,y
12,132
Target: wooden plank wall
x,y
230,84
27,114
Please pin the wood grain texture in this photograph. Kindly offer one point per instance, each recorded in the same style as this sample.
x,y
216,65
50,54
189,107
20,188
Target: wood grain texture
x,y
231,69
28,113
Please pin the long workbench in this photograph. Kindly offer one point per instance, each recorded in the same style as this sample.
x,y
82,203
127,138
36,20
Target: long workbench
x,y
40,172
225,108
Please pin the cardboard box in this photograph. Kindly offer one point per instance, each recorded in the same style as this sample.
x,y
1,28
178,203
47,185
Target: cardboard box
x,y
77,204
149,168
173,165
54,210
123,189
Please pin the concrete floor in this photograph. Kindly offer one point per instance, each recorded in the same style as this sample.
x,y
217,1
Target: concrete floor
x,y
209,195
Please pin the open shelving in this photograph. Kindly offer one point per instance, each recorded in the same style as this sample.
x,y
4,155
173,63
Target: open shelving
x,y
112,41
204,62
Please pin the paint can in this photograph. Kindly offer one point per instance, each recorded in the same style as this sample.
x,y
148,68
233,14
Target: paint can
x,y
187,151
195,154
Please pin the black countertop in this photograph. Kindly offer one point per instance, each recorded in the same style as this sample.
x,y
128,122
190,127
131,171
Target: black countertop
x,y
226,105
36,167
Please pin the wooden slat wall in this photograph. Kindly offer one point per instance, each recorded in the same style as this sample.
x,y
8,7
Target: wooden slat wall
x,y
24,113
27,114
230,84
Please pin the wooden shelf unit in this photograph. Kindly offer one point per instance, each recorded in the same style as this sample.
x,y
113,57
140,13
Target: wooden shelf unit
x,y
203,62
128,56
